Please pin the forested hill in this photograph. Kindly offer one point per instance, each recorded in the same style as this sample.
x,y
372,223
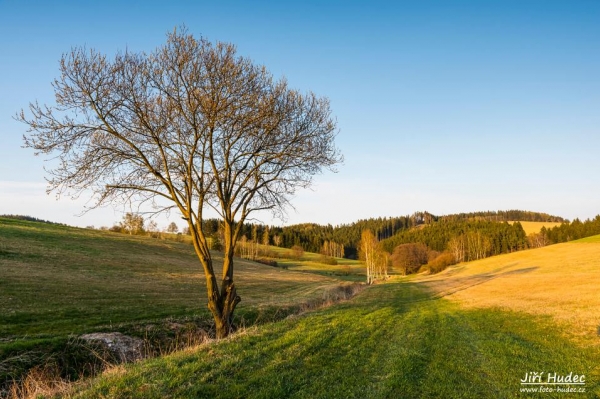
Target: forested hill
x,y
30,219
506,216
318,238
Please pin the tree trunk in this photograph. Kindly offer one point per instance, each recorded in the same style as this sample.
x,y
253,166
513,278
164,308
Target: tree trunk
x,y
222,310
222,303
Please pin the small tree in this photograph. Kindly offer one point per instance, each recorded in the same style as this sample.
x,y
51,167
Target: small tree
x,y
367,253
375,258
265,237
172,228
297,251
190,126
408,258
132,223
153,229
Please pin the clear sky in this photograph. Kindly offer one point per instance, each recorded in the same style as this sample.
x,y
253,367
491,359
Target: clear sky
x,y
444,106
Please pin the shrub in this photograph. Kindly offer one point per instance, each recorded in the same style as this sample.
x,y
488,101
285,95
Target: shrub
x,y
441,263
265,252
328,260
297,251
408,258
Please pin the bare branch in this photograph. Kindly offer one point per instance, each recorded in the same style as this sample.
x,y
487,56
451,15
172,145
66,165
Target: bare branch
x,y
192,124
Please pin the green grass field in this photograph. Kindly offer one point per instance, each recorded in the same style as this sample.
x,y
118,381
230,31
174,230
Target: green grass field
x,y
59,281
345,269
472,331
391,341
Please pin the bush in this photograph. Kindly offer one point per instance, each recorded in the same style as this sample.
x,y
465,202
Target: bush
x,y
297,251
408,258
328,260
265,252
441,263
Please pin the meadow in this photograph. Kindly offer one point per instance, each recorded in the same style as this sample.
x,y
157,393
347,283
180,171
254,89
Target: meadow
x,y
560,281
535,227
59,282
340,268
396,340
472,331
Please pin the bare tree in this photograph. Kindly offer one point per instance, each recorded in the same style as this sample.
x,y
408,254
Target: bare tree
x,y
132,223
190,126
172,228
368,244
375,258
265,237
457,247
408,258
152,229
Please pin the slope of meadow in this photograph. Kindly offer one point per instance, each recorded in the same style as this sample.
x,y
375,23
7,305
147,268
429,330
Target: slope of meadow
x,y
58,281
61,280
473,331
561,281
535,227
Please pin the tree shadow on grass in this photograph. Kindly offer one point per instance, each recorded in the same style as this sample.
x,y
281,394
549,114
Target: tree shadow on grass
x,y
448,285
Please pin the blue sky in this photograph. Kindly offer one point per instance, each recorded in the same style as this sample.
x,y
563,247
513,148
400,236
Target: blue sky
x,y
445,106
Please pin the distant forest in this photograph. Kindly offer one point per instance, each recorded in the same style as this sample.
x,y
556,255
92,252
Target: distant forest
x,y
394,231
30,219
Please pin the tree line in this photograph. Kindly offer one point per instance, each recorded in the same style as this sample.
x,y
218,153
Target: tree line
x,y
570,231
30,219
317,238
506,216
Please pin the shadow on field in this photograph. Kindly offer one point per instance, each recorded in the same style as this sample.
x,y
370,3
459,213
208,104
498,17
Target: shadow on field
x,y
449,285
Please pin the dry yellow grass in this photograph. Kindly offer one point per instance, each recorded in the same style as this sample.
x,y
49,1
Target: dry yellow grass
x,y
561,281
535,227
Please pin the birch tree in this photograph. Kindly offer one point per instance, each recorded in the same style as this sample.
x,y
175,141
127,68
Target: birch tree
x,y
375,258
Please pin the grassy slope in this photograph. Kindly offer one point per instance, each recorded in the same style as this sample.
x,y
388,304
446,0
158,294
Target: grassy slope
x,y
345,269
561,281
410,338
535,227
59,280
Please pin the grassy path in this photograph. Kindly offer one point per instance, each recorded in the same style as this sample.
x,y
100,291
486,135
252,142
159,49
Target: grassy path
x,y
388,342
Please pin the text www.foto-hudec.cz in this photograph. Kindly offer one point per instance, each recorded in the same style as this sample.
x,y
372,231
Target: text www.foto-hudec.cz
x,y
539,381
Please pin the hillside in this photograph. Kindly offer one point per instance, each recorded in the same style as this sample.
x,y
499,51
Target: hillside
x,y
536,227
473,331
560,281
57,281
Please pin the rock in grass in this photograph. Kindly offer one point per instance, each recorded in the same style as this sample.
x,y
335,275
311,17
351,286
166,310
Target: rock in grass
x,y
124,348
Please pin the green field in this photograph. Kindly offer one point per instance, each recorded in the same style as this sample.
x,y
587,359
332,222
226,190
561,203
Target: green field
x,y
344,269
472,331
388,342
59,281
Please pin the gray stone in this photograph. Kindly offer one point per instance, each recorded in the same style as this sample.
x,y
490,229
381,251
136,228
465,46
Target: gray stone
x,y
126,349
